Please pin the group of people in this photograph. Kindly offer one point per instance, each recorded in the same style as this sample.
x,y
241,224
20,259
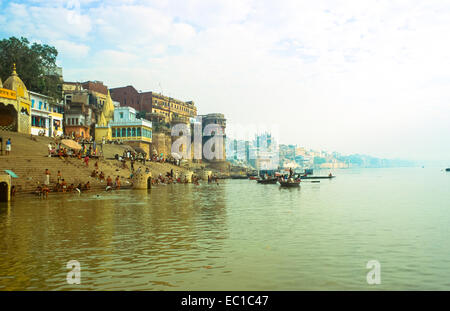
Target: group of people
x,y
60,185
162,159
169,178
212,179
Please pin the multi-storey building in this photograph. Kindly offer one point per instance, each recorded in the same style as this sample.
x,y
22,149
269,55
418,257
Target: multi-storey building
x,y
127,127
86,105
46,115
156,107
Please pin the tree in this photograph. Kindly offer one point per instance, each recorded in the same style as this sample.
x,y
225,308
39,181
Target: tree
x,y
36,65
140,115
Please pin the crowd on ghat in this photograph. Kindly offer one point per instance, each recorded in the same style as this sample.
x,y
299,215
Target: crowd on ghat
x,y
62,186
89,151
141,157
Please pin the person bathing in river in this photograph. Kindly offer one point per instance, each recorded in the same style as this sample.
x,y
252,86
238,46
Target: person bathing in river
x,y
64,185
70,188
117,182
47,177
45,191
109,181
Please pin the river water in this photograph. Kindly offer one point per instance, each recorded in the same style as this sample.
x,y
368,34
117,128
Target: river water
x,y
237,235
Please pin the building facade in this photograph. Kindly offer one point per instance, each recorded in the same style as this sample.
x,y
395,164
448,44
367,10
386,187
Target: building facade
x,y
87,105
126,127
46,115
15,105
157,107
218,120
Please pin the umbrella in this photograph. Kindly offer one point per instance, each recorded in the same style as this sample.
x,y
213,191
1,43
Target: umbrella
x,y
12,173
140,150
176,156
71,144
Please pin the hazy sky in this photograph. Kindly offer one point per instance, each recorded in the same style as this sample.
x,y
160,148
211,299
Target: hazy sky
x,y
351,76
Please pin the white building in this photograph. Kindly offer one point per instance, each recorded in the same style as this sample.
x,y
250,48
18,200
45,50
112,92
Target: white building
x,y
46,115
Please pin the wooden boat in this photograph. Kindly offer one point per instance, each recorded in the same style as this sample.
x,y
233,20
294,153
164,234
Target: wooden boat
x,y
317,177
239,177
253,178
289,184
267,181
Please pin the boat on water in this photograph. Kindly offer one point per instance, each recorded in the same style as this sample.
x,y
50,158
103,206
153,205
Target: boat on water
x,y
268,181
289,183
317,177
254,178
239,177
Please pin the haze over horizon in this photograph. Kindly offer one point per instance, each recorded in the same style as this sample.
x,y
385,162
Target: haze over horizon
x,y
366,77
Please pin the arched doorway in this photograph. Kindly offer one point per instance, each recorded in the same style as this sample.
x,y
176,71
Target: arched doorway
x,y
149,183
8,118
4,191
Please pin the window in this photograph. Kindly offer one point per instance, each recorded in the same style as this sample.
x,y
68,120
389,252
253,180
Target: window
x,y
121,115
128,132
133,132
114,133
32,103
124,132
139,132
40,105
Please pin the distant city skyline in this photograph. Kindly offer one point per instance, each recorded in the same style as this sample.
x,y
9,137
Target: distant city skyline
x,y
336,75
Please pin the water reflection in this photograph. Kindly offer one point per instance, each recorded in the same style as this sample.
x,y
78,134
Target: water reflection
x,y
235,235
132,234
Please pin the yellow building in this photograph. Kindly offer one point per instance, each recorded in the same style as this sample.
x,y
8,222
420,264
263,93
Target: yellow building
x,y
89,109
102,130
15,105
172,108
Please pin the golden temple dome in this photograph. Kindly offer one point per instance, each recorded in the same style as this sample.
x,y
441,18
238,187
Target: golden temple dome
x,y
16,84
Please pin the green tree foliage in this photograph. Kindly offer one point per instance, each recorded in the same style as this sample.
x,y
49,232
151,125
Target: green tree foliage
x,y
140,115
36,65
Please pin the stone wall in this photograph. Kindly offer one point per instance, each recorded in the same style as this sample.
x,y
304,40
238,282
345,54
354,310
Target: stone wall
x,y
162,143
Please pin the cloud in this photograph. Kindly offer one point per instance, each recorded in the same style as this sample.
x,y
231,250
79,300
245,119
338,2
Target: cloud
x,y
71,49
45,23
373,74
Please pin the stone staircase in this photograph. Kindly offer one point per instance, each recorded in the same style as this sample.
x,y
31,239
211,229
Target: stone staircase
x,y
30,170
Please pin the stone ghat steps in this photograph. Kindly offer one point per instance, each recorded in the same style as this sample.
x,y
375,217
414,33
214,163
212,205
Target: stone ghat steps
x,y
30,170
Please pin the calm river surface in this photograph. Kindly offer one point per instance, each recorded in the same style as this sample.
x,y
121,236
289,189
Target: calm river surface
x,y
237,235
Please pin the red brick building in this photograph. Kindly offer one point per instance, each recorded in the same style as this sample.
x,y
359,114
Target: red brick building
x,y
156,106
129,96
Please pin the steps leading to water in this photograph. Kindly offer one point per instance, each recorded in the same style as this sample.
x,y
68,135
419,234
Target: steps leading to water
x,y
30,170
